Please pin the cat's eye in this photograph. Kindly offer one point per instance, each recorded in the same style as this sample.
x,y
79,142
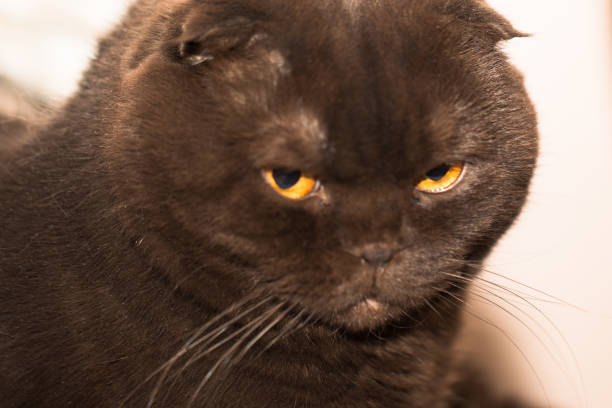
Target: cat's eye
x,y
442,178
292,184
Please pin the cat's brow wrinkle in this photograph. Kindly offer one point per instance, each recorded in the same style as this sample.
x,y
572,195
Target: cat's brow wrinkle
x,y
311,126
351,5
278,61
304,126
354,7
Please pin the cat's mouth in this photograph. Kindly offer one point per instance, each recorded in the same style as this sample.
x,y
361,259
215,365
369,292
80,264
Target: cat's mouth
x,y
372,305
379,308
367,309
366,314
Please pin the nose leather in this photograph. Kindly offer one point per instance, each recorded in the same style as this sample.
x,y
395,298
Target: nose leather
x,y
376,254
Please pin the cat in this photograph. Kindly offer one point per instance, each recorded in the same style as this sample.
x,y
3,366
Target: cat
x,y
263,203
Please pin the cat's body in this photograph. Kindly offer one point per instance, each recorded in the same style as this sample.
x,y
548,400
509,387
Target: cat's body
x,y
140,213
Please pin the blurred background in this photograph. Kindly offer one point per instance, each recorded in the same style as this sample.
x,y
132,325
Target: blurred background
x,y
540,319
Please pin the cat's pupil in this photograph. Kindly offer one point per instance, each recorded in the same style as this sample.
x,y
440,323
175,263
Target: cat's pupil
x,y
438,173
286,179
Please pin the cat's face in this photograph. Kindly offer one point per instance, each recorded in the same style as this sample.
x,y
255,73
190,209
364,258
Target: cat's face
x,y
229,106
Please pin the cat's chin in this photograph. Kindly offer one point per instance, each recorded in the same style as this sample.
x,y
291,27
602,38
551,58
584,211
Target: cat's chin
x,y
368,314
380,308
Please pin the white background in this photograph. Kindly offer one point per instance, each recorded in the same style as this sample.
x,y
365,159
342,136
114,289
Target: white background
x,y
562,242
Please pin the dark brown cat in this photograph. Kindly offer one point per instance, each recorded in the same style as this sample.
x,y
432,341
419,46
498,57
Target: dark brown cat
x,y
263,203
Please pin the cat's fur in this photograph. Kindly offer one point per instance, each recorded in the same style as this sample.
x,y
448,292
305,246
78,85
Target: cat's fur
x,y
140,213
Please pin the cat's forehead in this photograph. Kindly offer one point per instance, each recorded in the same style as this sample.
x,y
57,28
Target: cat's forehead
x,y
363,96
351,79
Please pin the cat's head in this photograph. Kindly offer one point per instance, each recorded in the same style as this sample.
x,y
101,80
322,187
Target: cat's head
x,y
347,155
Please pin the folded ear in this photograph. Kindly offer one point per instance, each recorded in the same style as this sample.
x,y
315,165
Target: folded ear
x,y
207,35
482,19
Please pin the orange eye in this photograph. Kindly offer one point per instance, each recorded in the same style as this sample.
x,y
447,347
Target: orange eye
x,y
292,184
442,178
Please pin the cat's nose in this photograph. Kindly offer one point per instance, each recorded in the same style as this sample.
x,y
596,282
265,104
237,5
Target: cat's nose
x,y
377,254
